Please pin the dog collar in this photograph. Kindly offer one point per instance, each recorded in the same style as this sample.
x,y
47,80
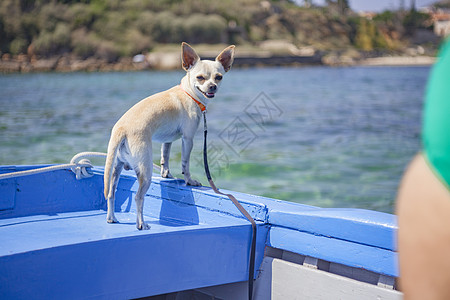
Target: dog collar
x,y
201,105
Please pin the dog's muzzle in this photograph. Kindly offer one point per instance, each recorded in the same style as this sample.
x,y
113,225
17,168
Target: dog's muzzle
x,y
211,91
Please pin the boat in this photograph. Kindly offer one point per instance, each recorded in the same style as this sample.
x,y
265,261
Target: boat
x,y
55,243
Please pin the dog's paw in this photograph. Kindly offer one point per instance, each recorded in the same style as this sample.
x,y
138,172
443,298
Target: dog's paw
x,y
142,226
166,173
193,182
111,220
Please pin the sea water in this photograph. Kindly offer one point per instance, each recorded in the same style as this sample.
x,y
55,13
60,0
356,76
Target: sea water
x,y
331,137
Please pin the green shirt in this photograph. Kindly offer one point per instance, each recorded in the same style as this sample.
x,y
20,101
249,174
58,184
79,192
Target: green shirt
x,y
436,121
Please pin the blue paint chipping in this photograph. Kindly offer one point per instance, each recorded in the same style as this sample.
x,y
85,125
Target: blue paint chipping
x,y
55,242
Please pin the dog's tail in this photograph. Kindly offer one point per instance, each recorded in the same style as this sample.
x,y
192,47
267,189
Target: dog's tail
x,y
117,138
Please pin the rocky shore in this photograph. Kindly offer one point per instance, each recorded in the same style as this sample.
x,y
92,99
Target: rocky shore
x,y
399,61
64,63
171,61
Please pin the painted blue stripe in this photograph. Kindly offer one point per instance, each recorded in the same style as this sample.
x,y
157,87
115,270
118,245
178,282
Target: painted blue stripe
x,y
350,254
354,225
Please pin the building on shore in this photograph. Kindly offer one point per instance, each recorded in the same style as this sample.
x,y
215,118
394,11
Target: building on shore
x,y
442,23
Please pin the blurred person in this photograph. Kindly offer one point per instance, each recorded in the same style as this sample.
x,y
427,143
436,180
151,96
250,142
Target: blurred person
x,y
423,200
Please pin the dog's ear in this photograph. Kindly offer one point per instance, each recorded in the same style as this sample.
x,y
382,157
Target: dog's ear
x,y
226,57
188,56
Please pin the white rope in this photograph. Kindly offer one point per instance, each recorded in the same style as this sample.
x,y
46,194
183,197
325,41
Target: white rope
x,y
82,155
79,159
42,170
79,164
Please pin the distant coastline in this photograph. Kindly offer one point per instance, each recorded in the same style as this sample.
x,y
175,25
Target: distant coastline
x,y
71,36
399,61
171,61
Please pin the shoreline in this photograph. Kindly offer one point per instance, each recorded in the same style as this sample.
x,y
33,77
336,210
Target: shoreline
x,y
399,61
171,61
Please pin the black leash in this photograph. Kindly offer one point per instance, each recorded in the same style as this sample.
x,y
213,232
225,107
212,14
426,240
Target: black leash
x,y
251,267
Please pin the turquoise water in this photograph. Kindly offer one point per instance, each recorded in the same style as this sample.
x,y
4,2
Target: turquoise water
x,y
331,137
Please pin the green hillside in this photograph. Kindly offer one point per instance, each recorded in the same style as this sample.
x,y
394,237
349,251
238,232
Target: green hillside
x,y
110,29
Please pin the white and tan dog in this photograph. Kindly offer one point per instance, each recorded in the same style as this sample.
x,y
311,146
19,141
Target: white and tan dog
x,y
163,117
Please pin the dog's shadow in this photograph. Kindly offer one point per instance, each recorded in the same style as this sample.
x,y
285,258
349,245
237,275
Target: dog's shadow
x,y
178,204
169,201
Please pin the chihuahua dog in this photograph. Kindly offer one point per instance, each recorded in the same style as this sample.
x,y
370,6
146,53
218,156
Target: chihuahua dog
x,y
163,117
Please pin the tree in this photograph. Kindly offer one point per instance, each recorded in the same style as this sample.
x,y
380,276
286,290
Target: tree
x,y
343,6
413,5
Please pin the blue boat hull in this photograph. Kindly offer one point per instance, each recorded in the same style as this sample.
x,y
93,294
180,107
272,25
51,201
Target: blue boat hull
x,y
55,242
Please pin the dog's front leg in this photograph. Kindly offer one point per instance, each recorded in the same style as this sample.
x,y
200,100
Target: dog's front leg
x,y
165,153
186,148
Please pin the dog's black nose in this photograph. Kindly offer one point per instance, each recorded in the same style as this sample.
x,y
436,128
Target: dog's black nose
x,y
213,88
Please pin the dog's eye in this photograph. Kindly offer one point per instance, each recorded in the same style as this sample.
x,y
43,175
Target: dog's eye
x,y
200,78
219,77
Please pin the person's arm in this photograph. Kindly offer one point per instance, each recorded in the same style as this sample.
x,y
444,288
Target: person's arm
x,y
423,209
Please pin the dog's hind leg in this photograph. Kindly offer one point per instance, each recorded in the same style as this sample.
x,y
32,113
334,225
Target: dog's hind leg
x,y
144,171
117,169
145,179
165,154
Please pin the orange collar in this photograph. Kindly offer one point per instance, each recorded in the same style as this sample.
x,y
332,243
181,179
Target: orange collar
x,y
201,105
